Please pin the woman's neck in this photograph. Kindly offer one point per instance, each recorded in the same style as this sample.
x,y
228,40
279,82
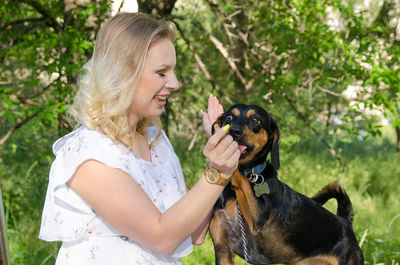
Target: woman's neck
x,y
140,146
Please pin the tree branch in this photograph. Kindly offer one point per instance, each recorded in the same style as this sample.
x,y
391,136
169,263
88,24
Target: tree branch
x,y
328,91
231,61
50,21
19,125
200,63
20,21
120,6
28,100
220,47
238,41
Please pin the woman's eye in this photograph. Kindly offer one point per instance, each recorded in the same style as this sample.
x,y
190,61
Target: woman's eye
x,y
161,74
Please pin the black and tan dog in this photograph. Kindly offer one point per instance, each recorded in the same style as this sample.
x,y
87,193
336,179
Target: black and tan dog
x,y
262,219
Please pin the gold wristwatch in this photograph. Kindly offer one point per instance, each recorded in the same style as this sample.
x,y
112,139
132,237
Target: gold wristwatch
x,y
213,176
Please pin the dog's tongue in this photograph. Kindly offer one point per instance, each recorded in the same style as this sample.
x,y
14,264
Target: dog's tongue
x,y
242,149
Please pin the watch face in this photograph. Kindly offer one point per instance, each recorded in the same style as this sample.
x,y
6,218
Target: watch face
x,y
212,175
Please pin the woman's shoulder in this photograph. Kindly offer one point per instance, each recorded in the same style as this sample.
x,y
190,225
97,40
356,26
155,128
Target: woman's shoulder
x,y
84,139
84,144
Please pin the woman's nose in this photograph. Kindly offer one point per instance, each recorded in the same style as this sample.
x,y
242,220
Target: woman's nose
x,y
172,82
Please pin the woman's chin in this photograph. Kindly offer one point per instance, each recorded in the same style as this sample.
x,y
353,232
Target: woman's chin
x,y
157,112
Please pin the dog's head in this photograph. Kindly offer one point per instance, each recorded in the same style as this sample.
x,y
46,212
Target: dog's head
x,y
255,131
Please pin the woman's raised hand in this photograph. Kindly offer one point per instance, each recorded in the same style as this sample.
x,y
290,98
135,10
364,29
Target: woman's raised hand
x,y
214,110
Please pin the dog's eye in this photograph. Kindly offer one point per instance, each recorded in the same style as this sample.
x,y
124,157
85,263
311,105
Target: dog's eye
x,y
228,118
255,121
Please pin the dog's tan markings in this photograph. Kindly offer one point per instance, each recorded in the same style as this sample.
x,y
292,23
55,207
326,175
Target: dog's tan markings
x,y
220,239
226,261
230,208
276,136
279,251
258,140
217,225
246,199
250,113
236,112
317,260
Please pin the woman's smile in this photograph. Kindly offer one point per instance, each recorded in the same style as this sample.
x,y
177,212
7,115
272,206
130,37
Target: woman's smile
x,y
161,100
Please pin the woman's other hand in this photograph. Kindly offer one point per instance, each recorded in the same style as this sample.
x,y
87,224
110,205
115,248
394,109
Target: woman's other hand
x,y
214,110
222,151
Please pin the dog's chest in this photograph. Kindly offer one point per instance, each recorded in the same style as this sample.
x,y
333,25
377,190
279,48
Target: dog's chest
x,y
266,246
240,237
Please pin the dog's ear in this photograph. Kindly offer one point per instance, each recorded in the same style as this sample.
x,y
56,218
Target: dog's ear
x,y
275,145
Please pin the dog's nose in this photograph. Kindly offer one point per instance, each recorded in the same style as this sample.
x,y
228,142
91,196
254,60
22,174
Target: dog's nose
x,y
235,132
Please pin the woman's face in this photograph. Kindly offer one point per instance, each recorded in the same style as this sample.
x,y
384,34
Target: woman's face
x,y
157,82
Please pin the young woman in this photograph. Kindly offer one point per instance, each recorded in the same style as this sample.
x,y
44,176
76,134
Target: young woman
x,y
116,192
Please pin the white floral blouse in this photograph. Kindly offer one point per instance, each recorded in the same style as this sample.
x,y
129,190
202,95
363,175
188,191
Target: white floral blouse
x,y
86,237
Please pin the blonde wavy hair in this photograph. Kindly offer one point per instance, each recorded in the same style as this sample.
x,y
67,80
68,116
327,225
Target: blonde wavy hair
x,y
112,75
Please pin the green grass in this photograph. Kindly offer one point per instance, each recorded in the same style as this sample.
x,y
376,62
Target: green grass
x,y
371,177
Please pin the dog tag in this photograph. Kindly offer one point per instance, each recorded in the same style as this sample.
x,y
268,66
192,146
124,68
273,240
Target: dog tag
x,y
261,189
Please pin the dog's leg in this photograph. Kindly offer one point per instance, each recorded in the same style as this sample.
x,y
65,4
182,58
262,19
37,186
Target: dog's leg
x,y
247,201
219,236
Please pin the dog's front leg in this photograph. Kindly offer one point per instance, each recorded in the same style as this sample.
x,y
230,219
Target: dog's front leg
x,y
219,236
249,206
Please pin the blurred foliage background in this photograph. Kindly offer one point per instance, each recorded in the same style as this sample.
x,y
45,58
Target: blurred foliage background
x,y
327,70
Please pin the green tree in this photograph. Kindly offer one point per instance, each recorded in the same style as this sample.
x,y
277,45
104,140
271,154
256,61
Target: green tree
x,y
43,44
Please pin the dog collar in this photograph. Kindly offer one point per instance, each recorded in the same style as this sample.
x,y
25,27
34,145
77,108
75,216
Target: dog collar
x,y
254,175
255,170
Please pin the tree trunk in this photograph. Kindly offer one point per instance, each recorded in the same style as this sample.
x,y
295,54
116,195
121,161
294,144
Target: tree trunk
x,y
383,15
4,254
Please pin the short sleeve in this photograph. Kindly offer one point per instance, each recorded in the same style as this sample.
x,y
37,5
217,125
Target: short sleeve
x,y
65,213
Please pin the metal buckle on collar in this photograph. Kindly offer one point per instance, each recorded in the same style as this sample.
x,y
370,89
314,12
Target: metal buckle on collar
x,y
254,178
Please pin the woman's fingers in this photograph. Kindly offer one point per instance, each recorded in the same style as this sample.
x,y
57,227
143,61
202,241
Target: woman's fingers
x,y
211,108
220,111
234,159
222,151
214,140
206,123
231,148
215,109
224,144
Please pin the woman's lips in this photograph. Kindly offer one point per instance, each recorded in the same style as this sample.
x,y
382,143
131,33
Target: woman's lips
x,y
161,100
